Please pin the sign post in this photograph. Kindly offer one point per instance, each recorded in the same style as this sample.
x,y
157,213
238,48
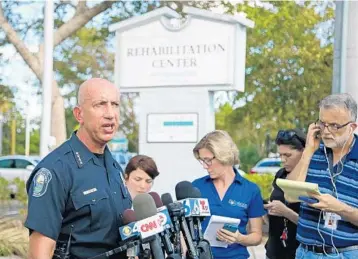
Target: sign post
x,y
176,65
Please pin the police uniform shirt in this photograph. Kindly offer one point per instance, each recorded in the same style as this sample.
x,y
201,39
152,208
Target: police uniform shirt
x,y
242,200
70,192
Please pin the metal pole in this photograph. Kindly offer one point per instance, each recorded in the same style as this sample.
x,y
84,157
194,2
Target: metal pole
x,y
1,130
47,79
27,135
352,50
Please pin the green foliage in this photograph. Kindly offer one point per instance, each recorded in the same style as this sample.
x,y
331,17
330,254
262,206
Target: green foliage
x,y
264,181
21,194
288,70
248,157
20,137
4,190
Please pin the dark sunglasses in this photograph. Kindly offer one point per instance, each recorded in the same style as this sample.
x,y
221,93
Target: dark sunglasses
x,y
288,135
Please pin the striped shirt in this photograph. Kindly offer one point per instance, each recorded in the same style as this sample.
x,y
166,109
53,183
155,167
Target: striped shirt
x,y
311,221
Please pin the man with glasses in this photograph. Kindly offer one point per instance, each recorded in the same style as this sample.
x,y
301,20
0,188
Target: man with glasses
x,y
328,228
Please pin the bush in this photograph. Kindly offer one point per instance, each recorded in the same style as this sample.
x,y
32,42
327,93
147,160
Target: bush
x,y
4,189
264,181
14,237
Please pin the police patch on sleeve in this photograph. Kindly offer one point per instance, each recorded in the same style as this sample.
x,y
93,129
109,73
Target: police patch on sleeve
x,y
41,181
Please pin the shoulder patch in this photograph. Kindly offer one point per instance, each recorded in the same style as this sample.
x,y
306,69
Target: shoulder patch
x,y
41,181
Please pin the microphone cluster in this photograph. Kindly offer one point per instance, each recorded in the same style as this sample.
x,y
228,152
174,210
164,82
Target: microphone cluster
x,y
160,228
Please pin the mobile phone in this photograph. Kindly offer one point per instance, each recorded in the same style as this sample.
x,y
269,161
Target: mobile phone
x,y
265,202
317,135
308,199
231,227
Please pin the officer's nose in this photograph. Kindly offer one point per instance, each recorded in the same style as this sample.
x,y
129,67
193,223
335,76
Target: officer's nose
x,y
109,112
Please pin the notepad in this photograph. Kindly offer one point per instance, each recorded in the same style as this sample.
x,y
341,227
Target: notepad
x,y
294,189
216,223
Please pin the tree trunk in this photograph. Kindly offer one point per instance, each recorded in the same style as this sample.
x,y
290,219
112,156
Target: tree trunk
x,y
58,119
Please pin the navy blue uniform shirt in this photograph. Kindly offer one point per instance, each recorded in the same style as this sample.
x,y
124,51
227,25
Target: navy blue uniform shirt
x,y
71,191
242,200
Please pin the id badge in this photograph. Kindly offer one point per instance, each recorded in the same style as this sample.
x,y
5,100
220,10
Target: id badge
x,y
331,220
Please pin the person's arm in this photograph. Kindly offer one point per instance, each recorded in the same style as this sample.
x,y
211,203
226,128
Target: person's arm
x,y
254,236
46,196
291,215
299,173
277,208
327,202
41,247
350,214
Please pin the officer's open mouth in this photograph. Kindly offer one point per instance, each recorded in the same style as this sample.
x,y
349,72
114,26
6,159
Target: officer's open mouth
x,y
108,126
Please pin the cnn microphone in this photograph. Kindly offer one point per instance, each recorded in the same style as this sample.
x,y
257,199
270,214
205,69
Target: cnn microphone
x,y
149,223
167,224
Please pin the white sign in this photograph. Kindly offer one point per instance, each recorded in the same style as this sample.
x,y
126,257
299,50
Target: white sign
x,y
175,61
172,127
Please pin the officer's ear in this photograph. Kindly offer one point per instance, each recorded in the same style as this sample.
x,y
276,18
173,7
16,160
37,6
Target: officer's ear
x,y
77,112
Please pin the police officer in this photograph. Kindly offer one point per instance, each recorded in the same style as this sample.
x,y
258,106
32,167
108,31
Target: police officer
x,y
76,194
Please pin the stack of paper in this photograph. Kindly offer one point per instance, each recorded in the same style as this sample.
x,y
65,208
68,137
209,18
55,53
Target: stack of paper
x,y
216,223
294,189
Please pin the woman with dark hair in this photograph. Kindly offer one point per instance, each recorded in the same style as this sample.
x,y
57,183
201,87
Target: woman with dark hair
x,y
283,216
139,174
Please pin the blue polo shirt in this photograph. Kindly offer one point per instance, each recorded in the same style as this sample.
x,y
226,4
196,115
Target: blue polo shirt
x,y
73,193
242,200
311,221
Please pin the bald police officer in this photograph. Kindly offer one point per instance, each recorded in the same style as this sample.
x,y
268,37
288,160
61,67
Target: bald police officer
x,y
77,194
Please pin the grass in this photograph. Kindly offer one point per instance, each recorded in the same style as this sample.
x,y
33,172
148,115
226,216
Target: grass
x,y
14,237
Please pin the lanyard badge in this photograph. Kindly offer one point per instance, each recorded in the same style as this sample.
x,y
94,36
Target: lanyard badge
x,y
284,235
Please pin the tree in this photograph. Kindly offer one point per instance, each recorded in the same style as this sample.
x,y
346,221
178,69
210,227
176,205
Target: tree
x,y
288,70
14,29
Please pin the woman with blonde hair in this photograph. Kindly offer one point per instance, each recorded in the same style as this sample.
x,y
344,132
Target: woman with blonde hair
x,y
229,195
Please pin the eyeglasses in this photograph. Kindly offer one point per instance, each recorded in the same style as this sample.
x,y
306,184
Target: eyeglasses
x,y
287,135
332,127
207,161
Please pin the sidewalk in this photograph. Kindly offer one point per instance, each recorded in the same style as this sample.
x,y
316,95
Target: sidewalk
x,y
257,252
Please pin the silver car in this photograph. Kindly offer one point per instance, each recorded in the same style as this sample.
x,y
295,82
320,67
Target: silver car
x,y
14,166
267,165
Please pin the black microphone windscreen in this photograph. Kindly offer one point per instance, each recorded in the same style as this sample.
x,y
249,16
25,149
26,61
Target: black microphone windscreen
x,y
128,216
144,206
156,198
182,189
196,194
167,199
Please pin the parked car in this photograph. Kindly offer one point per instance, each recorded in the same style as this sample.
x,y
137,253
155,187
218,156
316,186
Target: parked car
x,y
14,166
267,165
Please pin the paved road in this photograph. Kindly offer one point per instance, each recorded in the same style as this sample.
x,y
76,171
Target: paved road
x,y
258,252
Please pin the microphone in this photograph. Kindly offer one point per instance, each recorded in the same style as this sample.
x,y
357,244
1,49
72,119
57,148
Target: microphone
x,y
203,246
177,213
167,224
196,209
129,230
149,223
129,218
183,190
